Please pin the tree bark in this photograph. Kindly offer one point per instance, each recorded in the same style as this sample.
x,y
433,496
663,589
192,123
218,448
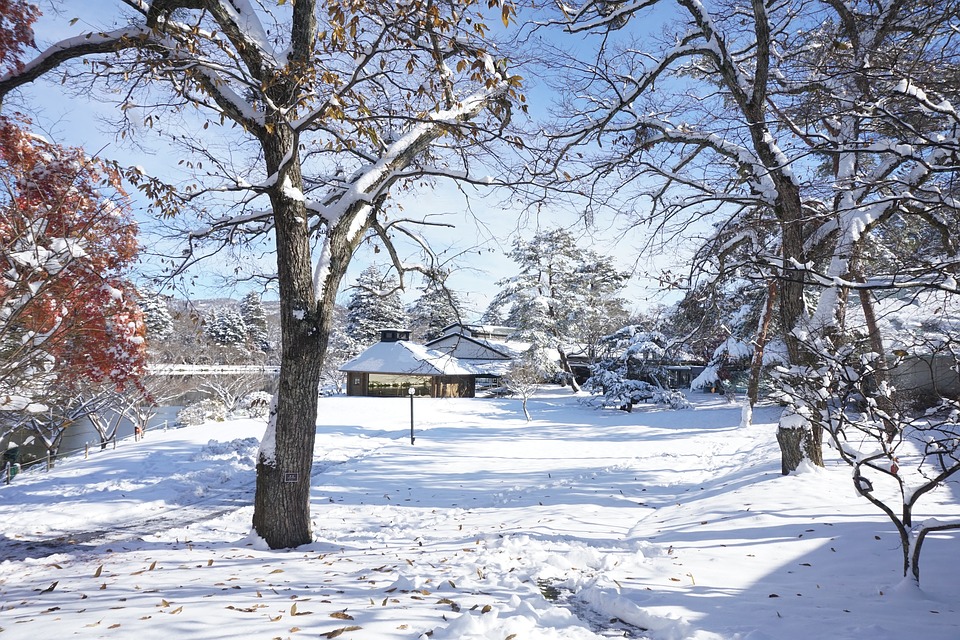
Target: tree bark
x,y
798,444
281,513
756,367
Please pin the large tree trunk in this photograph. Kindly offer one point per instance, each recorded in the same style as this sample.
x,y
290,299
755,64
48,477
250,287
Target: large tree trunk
x,y
802,439
799,443
281,513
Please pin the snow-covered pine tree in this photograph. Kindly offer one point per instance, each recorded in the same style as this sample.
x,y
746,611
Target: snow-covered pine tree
x,y
436,308
562,297
375,305
227,328
156,316
255,319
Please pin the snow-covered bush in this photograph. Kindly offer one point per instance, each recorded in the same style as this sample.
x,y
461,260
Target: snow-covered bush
x,y
633,372
203,411
256,404
671,397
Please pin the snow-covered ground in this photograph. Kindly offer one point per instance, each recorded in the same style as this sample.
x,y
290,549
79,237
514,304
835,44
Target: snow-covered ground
x,y
581,524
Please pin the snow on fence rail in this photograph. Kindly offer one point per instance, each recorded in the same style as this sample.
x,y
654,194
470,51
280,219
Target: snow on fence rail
x,y
209,369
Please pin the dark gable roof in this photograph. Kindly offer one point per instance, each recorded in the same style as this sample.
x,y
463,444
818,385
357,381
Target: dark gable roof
x,y
481,343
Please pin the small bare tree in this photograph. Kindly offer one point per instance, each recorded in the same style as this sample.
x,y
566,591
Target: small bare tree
x,y
898,452
524,378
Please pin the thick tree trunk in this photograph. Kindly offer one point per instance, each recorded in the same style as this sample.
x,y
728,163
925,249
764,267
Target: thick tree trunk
x,y
282,502
798,444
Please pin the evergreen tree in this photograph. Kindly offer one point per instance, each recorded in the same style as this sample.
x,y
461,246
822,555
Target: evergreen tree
x,y
255,319
564,295
156,317
227,328
437,308
375,305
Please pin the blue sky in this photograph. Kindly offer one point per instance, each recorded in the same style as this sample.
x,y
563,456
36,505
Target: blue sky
x,y
486,227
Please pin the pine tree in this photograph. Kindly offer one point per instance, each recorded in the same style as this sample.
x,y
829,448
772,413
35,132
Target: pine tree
x,y
374,306
156,316
437,308
255,319
227,328
564,295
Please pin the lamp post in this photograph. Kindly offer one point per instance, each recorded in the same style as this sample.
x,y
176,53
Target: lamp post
x,y
412,391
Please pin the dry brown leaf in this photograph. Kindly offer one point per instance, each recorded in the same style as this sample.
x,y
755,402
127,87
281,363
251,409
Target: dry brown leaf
x,y
341,615
177,610
340,631
153,565
96,574
277,571
114,626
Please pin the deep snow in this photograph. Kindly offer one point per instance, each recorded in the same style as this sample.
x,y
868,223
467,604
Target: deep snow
x,y
489,527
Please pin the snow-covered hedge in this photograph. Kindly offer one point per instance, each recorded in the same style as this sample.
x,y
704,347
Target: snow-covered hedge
x,y
203,411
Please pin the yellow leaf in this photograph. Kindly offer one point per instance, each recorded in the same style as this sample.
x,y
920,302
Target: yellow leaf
x,y
97,573
277,571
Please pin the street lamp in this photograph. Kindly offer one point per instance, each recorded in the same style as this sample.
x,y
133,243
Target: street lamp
x,y
412,391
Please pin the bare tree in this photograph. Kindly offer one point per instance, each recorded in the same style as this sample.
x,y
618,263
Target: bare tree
x,y
807,131
326,108
899,454
524,378
230,390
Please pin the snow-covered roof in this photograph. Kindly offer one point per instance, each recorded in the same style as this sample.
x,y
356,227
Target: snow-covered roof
x,y
478,330
491,367
403,357
459,344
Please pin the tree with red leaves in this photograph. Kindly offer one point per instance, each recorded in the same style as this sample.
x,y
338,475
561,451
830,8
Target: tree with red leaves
x,y
67,240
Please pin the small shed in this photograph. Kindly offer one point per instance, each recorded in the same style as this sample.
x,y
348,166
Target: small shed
x,y
394,365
